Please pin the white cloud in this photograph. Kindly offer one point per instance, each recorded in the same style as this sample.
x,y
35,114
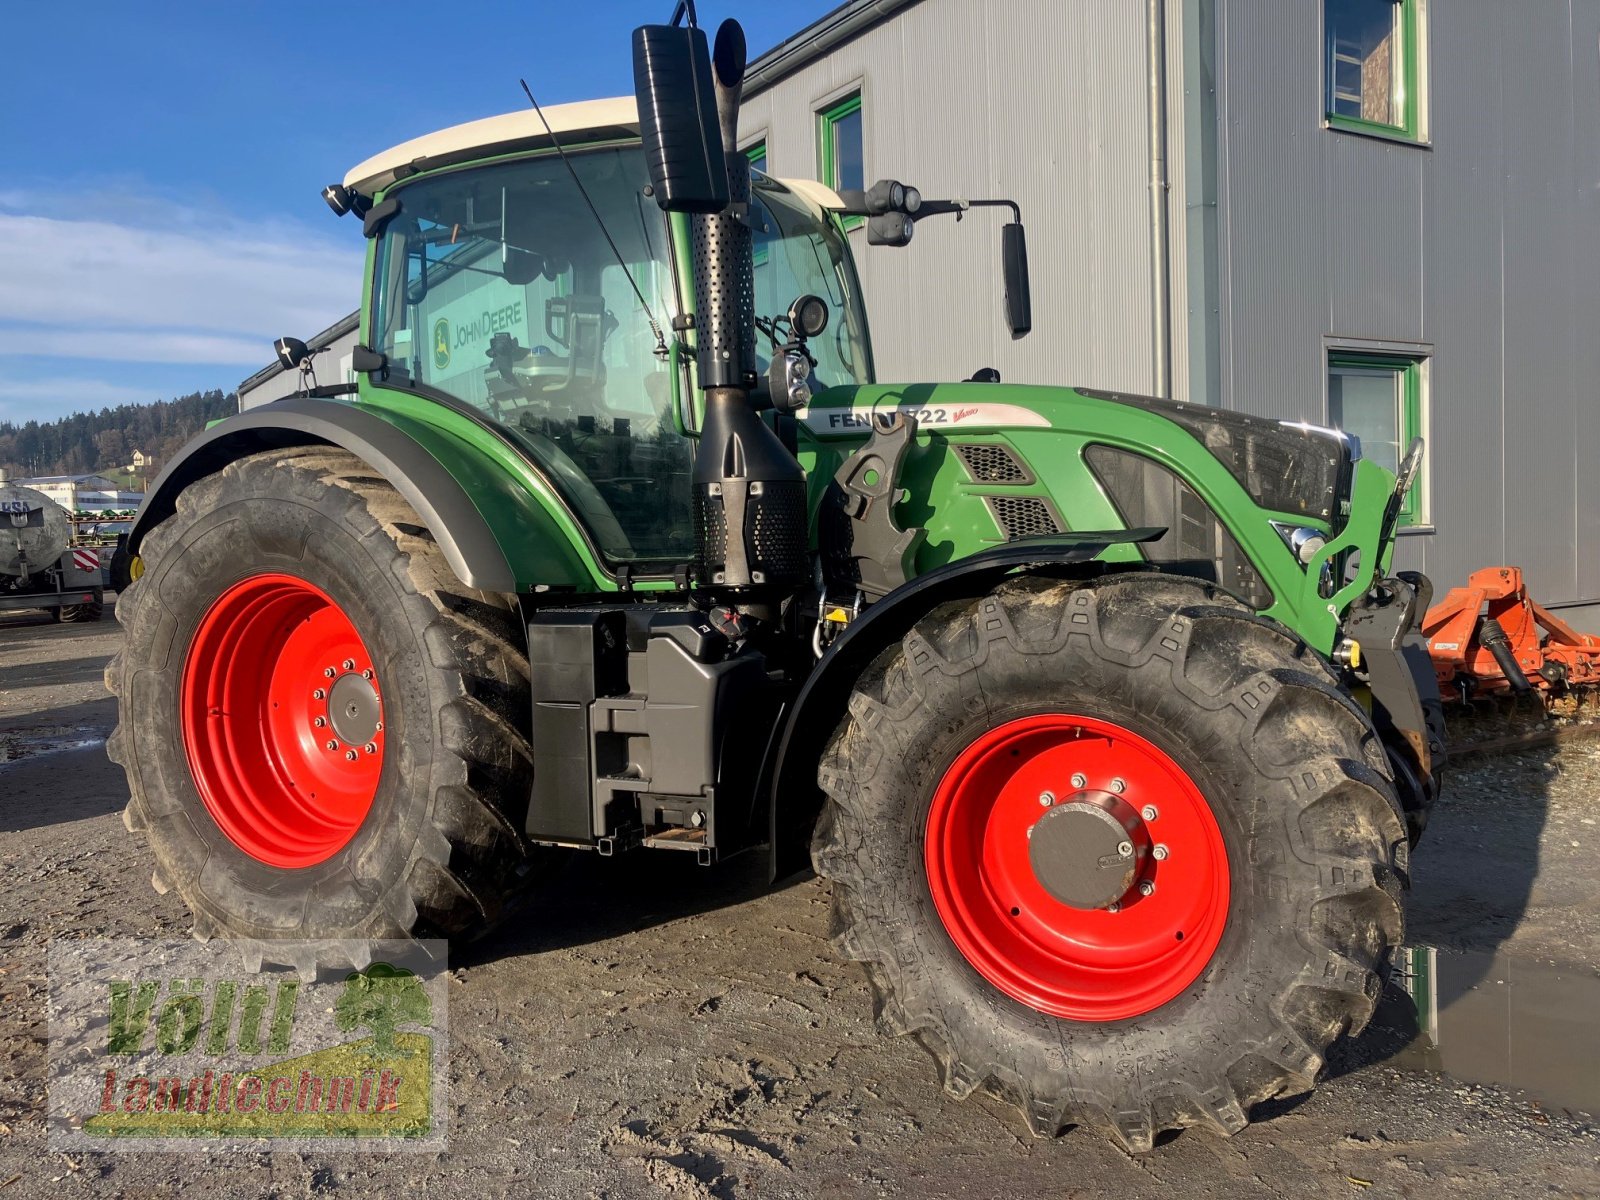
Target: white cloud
x,y
110,281
84,274
137,345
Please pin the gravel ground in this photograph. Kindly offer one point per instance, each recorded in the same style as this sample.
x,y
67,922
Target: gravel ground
x,y
665,1029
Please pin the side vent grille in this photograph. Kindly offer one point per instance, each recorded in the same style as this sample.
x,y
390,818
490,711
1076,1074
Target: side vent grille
x,y
1023,516
993,464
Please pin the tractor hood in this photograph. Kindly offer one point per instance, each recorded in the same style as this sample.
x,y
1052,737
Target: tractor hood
x,y
1285,467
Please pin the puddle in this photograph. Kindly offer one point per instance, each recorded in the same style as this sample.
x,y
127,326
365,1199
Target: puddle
x,y
1486,1018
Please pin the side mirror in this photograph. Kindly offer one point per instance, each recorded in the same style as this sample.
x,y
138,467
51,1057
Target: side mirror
x,y
672,82
1014,265
364,359
291,352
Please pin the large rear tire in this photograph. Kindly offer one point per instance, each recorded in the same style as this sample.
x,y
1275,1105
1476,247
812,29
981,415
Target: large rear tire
x,y
1233,923
324,731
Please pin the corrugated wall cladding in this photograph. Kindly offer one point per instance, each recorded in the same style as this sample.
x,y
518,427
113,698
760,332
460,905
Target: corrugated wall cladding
x,y
1042,101
1484,247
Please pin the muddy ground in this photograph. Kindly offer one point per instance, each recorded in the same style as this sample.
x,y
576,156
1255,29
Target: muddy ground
x,y
673,1030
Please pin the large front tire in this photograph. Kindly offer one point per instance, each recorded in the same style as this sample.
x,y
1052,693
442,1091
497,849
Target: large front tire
x,y
323,730
1017,727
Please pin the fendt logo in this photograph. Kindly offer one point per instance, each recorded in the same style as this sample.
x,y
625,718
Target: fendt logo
x,y
441,344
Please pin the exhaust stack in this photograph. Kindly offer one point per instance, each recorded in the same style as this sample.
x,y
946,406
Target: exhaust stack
x,y
749,492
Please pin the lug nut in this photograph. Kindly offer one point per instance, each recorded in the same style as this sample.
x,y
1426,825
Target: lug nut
x,y
1113,907
1080,781
1148,812
319,722
319,694
1118,786
380,726
349,664
1147,888
1159,853
1047,798
1124,848
367,674
329,672
1030,831
332,745
350,755
371,747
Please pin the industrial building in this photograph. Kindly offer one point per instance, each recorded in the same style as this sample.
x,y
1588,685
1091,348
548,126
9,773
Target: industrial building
x,y
1374,214
84,493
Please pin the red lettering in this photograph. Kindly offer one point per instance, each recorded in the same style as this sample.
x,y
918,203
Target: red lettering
x,y
274,1104
249,1090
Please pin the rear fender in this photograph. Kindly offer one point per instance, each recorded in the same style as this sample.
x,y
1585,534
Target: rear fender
x,y
442,477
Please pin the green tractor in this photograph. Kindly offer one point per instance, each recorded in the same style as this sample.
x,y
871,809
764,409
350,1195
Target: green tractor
x,y
1100,714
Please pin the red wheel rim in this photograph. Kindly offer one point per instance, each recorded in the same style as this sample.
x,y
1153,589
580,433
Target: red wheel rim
x,y
1089,964
282,720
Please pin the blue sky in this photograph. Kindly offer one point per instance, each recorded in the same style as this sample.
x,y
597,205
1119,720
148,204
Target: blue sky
x,y
161,164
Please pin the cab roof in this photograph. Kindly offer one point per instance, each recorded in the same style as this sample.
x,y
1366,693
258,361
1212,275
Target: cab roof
x,y
585,121
574,124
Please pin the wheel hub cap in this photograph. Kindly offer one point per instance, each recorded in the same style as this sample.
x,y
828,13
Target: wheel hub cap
x,y
1087,852
1077,867
353,709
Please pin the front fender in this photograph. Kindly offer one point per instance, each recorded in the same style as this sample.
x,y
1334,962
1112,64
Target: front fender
x,y
443,477
791,771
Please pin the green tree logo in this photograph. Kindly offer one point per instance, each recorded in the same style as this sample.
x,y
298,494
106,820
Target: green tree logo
x,y
382,998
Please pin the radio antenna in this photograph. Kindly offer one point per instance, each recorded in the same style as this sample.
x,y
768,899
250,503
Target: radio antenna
x,y
655,328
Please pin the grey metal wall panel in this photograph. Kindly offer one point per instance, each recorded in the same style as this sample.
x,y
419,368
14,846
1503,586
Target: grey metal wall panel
x,y
1485,246
1539,205
1272,159
1372,202
1042,101
1462,297
1585,250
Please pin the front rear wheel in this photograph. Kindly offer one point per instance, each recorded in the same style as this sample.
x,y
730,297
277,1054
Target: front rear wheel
x,y
323,730
1119,850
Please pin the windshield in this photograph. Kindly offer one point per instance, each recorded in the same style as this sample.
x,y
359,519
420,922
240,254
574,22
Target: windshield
x,y
496,286
798,255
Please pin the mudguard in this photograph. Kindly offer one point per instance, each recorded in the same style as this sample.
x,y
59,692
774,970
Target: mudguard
x,y
790,775
387,444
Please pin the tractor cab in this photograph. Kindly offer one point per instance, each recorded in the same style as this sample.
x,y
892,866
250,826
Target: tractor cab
x,y
506,288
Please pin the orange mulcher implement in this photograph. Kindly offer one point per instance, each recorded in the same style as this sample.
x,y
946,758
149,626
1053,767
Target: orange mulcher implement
x,y
1489,638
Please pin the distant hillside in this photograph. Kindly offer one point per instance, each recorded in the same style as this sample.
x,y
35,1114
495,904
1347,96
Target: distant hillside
x,y
103,442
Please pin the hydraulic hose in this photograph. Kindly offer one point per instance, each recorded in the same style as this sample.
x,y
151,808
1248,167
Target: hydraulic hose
x,y
1493,635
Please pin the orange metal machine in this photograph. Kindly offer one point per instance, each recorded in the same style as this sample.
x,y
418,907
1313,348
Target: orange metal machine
x,y
1490,639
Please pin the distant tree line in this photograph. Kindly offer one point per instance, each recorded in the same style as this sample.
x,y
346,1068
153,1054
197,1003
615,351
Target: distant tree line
x,y
103,442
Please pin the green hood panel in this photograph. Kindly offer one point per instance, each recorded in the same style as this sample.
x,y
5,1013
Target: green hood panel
x,y
1048,429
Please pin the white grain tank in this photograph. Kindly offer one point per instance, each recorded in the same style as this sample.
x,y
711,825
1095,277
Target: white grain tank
x,y
34,530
